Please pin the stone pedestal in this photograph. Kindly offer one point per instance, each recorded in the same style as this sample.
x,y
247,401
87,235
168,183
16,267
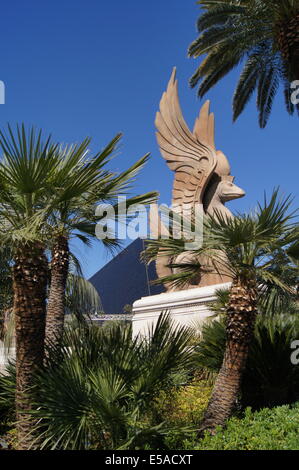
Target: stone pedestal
x,y
187,307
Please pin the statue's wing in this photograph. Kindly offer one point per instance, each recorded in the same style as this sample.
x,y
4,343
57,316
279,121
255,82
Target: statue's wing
x,y
191,155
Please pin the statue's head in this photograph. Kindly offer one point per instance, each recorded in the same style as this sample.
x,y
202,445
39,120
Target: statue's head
x,y
227,190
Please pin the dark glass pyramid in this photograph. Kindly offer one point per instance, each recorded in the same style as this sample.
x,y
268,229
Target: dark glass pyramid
x,y
125,279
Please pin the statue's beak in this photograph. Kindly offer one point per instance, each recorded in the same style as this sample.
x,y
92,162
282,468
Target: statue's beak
x,y
234,193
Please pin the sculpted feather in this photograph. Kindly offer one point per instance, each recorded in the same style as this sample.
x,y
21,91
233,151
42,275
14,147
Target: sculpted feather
x,y
191,155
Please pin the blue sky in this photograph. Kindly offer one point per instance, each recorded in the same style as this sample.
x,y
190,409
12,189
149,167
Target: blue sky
x,y
93,68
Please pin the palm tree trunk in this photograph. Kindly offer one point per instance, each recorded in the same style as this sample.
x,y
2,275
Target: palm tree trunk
x,y
30,288
56,301
241,315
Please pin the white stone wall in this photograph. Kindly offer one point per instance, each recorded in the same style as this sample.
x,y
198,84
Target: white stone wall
x,y
5,356
187,307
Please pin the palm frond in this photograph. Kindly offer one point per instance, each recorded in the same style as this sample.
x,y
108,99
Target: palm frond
x,y
246,84
230,31
82,299
220,14
267,89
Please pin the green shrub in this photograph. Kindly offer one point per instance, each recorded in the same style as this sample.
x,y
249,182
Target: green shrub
x,y
267,429
96,393
183,405
181,408
270,379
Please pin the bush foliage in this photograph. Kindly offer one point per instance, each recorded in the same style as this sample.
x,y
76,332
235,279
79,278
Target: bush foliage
x,y
104,390
183,405
267,429
270,379
96,392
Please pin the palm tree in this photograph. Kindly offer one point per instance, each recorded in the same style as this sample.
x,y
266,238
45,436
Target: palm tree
x,y
79,184
243,248
25,168
262,33
46,195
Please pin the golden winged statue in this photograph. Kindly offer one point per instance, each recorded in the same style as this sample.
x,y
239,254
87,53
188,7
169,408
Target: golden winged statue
x,y
201,173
